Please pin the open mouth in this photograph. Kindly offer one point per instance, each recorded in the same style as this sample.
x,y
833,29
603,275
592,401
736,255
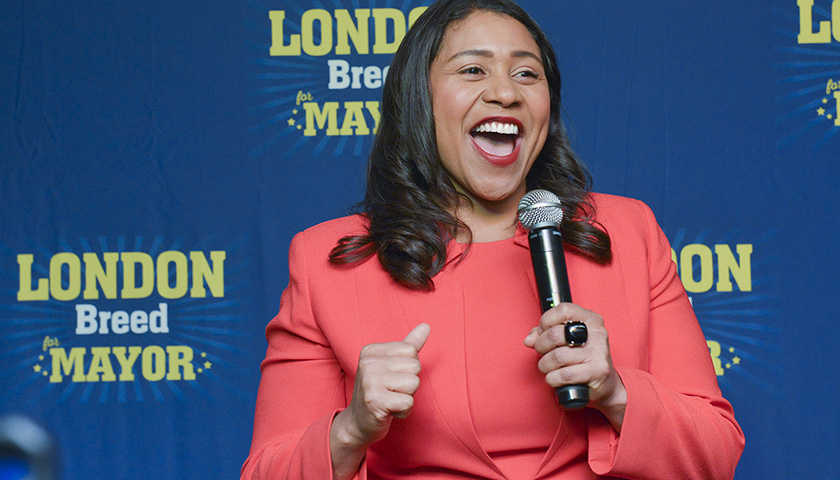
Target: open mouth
x,y
497,137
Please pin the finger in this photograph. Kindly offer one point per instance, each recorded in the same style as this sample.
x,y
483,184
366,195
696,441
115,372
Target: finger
x,y
376,364
402,414
400,383
561,357
417,337
373,385
573,374
387,402
559,315
550,339
532,337
401,349
400,405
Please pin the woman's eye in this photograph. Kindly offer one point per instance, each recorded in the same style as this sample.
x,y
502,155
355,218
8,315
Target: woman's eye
x,y
472,70
527,74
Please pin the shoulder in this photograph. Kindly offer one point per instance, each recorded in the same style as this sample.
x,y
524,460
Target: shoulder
x,y
623,213
310,267
634,232
313,245
327,234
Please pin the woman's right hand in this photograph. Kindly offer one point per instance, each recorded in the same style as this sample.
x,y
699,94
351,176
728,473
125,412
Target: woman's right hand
x,y
386,380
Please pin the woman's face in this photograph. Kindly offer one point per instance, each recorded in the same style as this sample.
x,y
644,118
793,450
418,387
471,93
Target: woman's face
x,y
491,105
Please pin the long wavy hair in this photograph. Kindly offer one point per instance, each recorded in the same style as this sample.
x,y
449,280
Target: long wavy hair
x,y
410,198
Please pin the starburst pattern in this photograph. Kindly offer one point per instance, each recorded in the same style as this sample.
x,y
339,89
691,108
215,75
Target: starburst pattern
x,y
742,324
806,106
280,82
205,325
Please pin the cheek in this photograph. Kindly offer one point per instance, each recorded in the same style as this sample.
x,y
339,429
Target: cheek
x,y
540,104
544,109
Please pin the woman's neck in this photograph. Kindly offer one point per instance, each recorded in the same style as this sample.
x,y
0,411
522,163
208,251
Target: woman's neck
x,y
488,221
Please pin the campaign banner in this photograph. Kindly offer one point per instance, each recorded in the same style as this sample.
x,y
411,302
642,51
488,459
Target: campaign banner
x,y
157,159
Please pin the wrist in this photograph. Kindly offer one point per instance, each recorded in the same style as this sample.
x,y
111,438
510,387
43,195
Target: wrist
x,y
347,450
614,406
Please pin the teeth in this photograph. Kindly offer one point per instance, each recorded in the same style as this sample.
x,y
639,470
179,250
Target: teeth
x,y
496,127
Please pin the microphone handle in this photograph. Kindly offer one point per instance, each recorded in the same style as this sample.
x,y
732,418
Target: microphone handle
x,y
549,263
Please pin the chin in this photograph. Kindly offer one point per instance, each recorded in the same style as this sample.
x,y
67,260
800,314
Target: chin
x,y
497,197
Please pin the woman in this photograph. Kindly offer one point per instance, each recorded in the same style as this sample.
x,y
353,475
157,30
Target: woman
x,y
470,121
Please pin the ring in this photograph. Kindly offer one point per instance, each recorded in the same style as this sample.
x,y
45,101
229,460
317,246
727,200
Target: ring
x,y
576,334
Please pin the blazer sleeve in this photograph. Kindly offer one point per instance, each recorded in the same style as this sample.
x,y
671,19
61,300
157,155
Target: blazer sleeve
x,y
676,424
301,390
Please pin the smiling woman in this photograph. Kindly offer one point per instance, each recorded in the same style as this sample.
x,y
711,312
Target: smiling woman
x,y
470,120
491,109
415,201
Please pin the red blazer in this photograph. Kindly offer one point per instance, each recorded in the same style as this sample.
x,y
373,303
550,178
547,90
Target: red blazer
x,y
676,426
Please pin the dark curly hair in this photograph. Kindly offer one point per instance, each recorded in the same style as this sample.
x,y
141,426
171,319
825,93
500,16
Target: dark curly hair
x,y
410,197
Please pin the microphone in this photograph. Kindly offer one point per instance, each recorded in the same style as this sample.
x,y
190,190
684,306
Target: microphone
x,y
27,451
541,213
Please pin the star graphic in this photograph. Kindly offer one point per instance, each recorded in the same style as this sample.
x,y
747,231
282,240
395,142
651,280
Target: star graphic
x,y
37,368
736,361
291,121
45,373
829,116
825,100
203,354
731,349
299,127
820,111
200,370
294,112
728,365
207,365
41,357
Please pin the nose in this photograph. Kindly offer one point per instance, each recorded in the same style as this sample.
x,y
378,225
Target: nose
x,y
501,90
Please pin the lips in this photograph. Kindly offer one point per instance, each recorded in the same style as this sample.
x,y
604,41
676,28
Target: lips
x,y
498,139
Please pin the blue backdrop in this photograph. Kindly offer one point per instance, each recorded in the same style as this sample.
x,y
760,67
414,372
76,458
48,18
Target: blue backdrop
x,y
157,158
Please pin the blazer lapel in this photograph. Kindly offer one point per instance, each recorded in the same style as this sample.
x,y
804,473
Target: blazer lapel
x,y
444,356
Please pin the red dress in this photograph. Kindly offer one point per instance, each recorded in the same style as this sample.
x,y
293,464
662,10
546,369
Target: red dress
x,y
471,421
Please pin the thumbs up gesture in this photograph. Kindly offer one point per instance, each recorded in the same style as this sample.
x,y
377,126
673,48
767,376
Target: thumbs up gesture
x,y
386,380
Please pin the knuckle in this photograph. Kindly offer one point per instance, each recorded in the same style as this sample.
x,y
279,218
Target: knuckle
x,y
406,402
545,364
556,335
366,362
564,308
415,368
368,385
562,376
371,403
565,375
603,367
414,384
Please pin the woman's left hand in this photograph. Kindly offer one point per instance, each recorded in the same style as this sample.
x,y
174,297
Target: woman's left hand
x,y
589,364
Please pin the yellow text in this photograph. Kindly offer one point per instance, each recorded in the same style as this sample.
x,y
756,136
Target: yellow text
x,y
173,362
338,29
353,118
696,264
170,274
837,115
714,351
826,28
303,97
50,342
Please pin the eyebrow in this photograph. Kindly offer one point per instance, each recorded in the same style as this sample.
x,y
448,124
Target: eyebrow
x,y
480,52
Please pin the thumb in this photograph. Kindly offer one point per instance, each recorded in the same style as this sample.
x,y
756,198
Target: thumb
x,y
417,337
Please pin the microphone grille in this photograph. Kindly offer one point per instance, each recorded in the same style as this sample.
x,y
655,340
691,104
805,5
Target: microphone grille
x,y
540,208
